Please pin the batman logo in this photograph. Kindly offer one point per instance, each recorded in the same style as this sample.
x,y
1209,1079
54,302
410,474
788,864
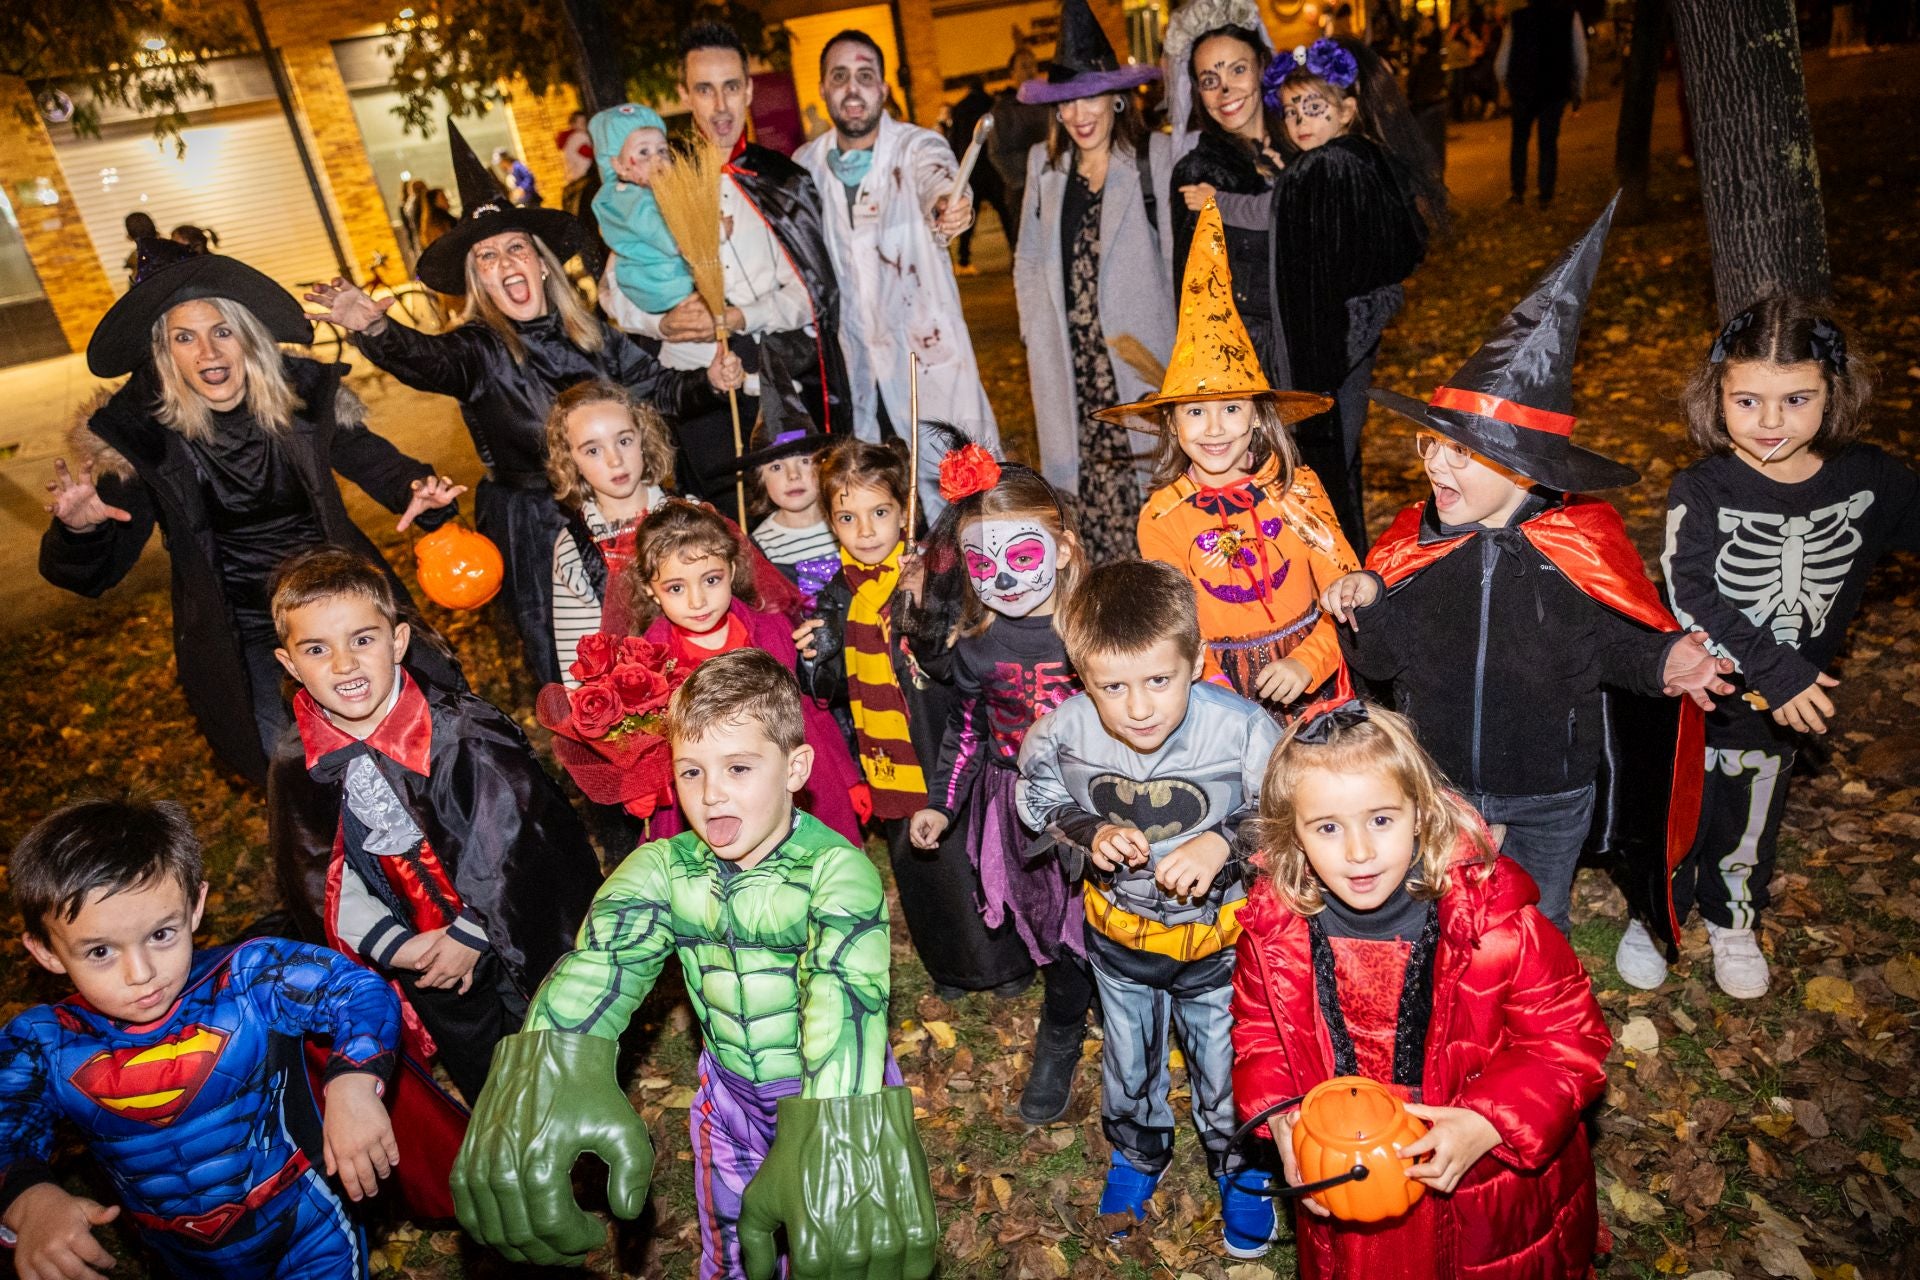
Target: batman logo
x,y
152,1083
1159,808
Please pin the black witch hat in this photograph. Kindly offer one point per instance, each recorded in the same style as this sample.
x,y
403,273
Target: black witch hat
x,y
166,274
1084,64
486,210
1512,401
786,426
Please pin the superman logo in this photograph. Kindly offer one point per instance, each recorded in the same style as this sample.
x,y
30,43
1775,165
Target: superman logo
x,y
1160,808
152,1083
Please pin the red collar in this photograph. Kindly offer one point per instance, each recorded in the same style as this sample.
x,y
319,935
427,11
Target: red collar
x,y
693,655
405,736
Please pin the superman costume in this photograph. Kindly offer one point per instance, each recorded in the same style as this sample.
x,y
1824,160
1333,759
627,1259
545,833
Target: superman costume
x,y
203,1117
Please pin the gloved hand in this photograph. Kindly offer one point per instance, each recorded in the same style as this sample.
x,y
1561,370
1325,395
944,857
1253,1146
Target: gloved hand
x,y
848,1179
550,1096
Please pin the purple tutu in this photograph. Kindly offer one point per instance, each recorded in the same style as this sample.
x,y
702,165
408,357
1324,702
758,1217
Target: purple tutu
x,y
1044,906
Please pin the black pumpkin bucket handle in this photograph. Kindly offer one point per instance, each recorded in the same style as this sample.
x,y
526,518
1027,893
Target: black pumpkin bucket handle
x,y
1281,1191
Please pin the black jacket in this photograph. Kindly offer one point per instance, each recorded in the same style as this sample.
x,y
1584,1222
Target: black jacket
x,y
512,845
1344,224
1540,61
922,670
790,202
504,403
1499,662
148,469
1227,164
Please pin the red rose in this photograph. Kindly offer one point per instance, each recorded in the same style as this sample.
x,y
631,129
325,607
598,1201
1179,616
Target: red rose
x,y
641,689
635,650
596,708
593,658
967,470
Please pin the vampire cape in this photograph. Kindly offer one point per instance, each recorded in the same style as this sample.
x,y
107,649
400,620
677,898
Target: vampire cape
x,y
494,822
1647,807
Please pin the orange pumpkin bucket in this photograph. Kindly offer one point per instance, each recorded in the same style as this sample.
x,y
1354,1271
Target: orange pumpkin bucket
x,y
1344,1142
459,569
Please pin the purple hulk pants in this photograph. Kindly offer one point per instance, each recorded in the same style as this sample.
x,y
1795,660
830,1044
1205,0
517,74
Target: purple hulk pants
x,y
732,1121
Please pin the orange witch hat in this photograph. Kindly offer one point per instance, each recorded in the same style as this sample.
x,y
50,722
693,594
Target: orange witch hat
x,y
1213,356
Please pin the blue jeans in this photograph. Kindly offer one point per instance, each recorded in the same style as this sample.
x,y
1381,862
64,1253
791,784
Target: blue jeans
x,y
1544,835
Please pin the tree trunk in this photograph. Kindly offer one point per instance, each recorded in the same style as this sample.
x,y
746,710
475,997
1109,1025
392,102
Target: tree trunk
x,y
1759,176
1639,88
602,78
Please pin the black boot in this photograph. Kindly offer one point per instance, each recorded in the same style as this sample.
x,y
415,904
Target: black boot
x,y
1049,1091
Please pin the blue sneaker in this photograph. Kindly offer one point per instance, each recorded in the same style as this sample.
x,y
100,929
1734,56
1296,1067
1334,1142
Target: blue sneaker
x,y
1127,1191
1247,1219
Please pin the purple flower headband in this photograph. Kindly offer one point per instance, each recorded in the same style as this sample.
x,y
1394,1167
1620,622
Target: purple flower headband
x,y
1323,58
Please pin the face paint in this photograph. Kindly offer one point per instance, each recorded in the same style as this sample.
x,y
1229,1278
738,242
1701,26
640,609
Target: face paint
x,y
1012,564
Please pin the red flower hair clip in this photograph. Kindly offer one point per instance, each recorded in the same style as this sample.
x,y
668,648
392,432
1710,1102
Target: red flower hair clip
x,y
967,470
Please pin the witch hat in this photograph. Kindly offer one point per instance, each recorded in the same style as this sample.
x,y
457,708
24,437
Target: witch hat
x,y
785,427
1084,64
1512,401
486,211
166,274
1213,356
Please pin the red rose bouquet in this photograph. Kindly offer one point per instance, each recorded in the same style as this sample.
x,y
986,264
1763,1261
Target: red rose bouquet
x,y
609,730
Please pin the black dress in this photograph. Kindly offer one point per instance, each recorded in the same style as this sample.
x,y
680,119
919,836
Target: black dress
x,y
230,509
504,402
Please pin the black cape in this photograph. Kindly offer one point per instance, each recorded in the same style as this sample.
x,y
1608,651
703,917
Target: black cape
x,y
1227,164
147,469
504,404
512,845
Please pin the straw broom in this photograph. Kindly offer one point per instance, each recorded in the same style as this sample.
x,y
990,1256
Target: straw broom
x,y
689,197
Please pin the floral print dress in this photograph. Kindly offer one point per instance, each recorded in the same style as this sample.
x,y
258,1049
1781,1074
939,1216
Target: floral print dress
x,y
1109,493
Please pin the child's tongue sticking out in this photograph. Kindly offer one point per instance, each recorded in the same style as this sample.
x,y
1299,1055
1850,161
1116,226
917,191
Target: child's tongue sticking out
x,y
722,832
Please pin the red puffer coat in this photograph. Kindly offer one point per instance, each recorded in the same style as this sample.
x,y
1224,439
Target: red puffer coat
x,y
1516,1036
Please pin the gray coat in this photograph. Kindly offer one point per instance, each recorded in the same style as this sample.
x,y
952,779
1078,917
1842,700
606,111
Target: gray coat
x,y
1136,295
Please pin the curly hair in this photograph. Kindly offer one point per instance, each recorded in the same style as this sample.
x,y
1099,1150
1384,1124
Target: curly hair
x,y
570,488
1781,329
680,529
1383,744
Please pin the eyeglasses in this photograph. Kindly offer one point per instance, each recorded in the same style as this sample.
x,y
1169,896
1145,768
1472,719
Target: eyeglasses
x,y
1425,443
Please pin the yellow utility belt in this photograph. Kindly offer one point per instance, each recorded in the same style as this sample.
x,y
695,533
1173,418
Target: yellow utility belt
x,y
1195,940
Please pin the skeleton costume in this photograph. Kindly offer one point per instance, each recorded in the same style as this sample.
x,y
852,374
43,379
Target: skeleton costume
x,y
1774,573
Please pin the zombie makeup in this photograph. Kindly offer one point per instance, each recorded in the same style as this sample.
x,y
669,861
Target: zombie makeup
x,y
1012,564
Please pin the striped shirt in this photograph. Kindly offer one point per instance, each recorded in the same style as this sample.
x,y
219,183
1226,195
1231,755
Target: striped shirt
x,y
786,546
576,605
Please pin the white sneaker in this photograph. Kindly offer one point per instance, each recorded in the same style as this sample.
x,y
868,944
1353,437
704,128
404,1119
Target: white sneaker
x,y
1738,966
1638,958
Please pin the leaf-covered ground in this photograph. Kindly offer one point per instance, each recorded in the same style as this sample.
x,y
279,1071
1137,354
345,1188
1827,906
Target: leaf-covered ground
x,y
1776,1137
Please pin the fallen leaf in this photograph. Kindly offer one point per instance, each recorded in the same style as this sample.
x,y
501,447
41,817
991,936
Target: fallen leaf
x,y
1778,1256
1636,1206
942,1034
1902,975
1831,995
1639,1035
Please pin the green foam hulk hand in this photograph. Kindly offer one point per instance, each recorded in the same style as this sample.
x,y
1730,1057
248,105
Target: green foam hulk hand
x,y
848,1180
550,1097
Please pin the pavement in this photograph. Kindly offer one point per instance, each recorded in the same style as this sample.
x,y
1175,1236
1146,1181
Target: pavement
x,y
42,397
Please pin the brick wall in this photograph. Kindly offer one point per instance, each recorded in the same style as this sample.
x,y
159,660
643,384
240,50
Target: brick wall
x,y
537,118
303,31
56,240
922,56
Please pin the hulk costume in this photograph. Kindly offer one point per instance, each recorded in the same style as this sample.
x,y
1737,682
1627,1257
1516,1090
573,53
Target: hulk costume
x,y
799,1120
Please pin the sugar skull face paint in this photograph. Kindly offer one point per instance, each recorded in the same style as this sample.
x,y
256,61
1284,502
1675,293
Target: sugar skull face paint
x,y
1012,564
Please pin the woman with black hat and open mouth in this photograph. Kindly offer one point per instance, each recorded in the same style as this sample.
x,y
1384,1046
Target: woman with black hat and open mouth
x,y
525,337
230,446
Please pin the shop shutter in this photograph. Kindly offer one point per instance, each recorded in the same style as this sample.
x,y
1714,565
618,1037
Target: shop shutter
x,y
240,176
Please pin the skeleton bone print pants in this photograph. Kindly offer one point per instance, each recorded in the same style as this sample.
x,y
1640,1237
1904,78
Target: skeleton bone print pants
x,y
1726,875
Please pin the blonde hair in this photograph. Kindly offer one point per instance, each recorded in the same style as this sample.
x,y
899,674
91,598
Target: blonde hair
x,y
1383,743
583,331
1269,438
570,488
269,397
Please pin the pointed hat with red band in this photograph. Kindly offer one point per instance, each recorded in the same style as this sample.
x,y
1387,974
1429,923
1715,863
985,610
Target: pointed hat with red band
x,y
1512,401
